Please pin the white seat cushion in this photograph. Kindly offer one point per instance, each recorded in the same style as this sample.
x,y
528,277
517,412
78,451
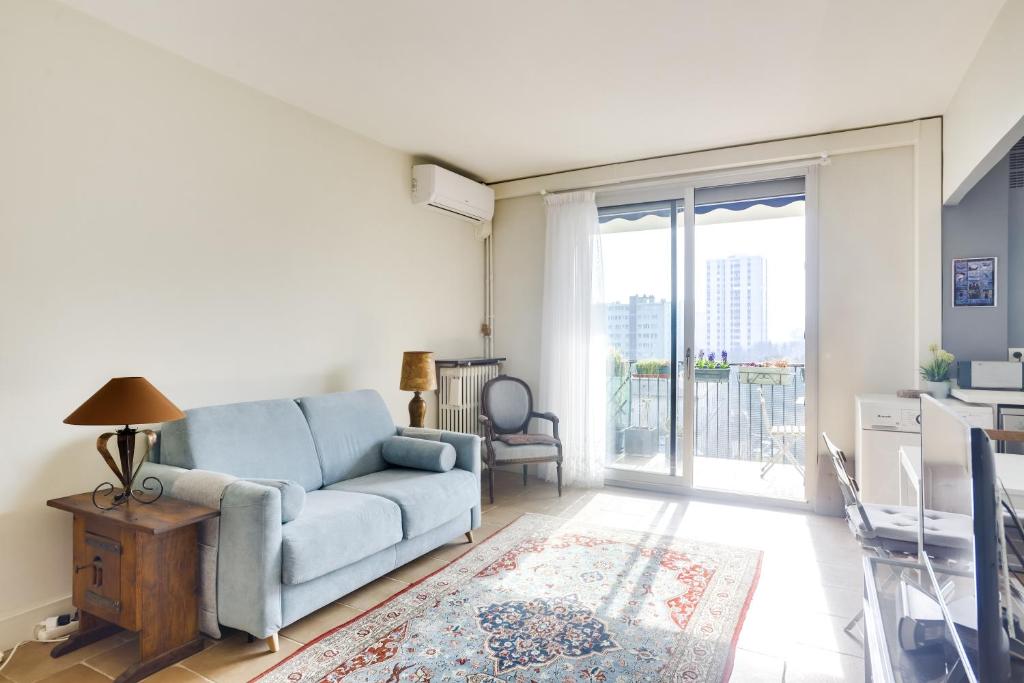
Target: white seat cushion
x,y
899,523
502,451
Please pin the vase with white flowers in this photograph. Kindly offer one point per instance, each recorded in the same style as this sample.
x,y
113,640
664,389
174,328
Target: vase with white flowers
x,y
935,373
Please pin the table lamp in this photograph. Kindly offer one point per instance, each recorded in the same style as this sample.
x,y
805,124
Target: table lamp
x,y
127,401
418,375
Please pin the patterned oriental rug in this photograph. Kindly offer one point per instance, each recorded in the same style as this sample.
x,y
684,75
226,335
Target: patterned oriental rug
x,y
548,599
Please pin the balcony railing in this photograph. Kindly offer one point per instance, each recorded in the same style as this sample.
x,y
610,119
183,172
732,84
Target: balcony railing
x,y
734,412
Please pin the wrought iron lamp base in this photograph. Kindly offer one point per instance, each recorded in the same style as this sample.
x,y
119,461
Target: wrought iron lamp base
x,y
152,488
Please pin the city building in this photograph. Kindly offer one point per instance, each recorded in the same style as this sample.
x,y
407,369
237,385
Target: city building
x,y
641,328
736,303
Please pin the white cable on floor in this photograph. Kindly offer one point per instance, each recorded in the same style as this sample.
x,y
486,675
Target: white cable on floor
x,y
4,661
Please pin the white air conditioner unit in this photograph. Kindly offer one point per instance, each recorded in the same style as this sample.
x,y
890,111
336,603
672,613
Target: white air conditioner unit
x,y
440,189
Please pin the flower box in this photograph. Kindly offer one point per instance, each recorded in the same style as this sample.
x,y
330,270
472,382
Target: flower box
x,y
756,375
713,375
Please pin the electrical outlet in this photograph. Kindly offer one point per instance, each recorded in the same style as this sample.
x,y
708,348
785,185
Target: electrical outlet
x,y
1016,354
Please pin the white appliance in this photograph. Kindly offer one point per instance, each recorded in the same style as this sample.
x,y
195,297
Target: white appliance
x,y
884,423
442,190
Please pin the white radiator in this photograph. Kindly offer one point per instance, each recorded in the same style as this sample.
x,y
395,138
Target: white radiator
x,y
459,385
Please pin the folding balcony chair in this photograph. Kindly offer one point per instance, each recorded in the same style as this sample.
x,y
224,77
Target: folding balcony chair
x,y
784,436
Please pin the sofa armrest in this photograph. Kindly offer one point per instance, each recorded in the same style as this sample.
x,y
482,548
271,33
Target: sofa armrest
x,y
241,583
249,567
467,450
467,457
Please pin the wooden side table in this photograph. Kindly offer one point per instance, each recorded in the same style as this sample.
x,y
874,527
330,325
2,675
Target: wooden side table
x,y
136,568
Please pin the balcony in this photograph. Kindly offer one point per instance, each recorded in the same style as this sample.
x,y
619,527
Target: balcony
x,y
743,417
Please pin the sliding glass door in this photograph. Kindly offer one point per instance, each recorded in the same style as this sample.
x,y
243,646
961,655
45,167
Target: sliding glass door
x,y
749,391
639,270
705,320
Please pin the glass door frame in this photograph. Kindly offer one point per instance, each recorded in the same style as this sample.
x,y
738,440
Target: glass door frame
x,y
684,192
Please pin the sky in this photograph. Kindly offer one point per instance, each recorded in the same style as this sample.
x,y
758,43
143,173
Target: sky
x,y
639,262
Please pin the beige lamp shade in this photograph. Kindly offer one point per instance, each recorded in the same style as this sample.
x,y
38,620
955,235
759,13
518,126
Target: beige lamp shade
x,y
125,401
418,371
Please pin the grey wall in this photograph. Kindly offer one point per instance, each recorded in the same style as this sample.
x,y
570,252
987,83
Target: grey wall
x,y
1015,269
979,226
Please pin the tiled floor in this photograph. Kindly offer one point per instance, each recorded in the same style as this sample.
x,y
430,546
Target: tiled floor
x,y
782,480
809,587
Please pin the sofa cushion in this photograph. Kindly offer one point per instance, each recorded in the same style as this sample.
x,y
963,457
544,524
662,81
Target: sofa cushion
x,y
335,529
427,499
293,497
348,430
259,440
418,454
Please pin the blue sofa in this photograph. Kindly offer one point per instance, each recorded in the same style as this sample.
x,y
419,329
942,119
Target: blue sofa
x,y
310,510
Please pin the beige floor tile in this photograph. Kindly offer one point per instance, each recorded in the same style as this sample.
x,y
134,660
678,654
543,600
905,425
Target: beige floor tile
x,y
755,667
33,662
459,547
811,665
417,569
500,515
234,660
114,661
79,673
176,674
324,619
372,594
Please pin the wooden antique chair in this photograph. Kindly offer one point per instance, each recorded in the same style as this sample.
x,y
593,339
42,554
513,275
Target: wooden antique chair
x,y
506,410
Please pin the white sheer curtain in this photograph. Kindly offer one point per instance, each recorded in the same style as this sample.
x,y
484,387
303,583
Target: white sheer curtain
x,y
573,348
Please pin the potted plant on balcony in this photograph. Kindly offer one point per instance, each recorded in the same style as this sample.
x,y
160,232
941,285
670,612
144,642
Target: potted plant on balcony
x,y
935,372
767,372
709,369
652,368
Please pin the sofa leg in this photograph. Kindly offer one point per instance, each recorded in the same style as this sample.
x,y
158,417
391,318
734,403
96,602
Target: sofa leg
x,y
469,536
490,483
524,476
273,643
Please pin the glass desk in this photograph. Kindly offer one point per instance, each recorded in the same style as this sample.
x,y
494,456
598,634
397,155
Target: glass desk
x,y
891,588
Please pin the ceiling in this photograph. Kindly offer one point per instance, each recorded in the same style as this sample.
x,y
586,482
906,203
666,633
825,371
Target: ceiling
x,y
503,90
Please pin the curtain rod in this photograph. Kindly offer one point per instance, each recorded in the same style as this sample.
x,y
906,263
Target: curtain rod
x,y
822,159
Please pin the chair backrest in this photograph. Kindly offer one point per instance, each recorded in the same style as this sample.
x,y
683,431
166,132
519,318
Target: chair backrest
x,y
847,484
507,402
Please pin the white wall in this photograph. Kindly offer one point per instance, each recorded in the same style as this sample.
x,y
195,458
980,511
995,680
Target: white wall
x,y
158,219
866,314
879,245
986,115
519,233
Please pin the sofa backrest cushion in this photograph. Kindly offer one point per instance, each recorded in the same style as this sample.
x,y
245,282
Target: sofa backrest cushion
x,y
256,440
349,429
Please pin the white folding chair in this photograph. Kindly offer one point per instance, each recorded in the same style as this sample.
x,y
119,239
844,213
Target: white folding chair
x,y
784,437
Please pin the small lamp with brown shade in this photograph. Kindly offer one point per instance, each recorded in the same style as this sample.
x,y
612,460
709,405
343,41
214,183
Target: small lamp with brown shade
x,y
126,401
418,375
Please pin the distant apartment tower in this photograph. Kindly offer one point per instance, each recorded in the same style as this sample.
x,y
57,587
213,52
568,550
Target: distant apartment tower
x,y
737,303
640,328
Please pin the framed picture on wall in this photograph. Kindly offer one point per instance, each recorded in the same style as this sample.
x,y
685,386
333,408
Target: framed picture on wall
x,y
974,281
